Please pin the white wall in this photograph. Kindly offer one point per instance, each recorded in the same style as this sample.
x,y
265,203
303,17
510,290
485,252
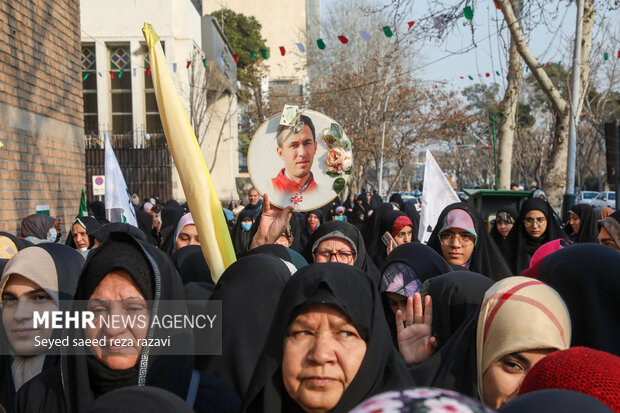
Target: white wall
x,y
178,24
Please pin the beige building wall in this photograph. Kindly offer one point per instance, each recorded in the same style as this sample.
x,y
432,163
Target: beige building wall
x,y
283,24
178,24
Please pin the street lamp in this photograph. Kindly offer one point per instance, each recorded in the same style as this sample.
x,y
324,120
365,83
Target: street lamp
x,y
387,97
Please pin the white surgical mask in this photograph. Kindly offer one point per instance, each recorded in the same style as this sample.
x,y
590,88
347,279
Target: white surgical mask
x,y
52,235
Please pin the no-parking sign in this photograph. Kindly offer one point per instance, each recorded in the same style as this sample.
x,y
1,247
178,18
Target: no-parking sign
x,y
98,185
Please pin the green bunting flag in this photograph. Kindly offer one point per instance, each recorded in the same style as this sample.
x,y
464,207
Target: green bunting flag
x,y
605,56
497,73
387,31
120,74
320,43
252,55
468,13
470,77
83,211
86,76
264,53
204,63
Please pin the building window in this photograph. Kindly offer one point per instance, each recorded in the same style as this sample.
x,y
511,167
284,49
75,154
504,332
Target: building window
x,y
120,89
89,90
153,121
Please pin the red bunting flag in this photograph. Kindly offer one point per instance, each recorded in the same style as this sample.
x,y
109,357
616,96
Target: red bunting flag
x,y
410,24
148,70
236,56
343,39
618,54
487,74
282,50
547,65
497,6
111,74
189,62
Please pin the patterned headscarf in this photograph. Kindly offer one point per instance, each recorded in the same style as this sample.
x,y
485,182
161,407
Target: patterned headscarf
x,y
399,278
519,314
421,399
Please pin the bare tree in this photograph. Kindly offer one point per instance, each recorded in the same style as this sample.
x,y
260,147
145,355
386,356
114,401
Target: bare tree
x,y
556,176
208,86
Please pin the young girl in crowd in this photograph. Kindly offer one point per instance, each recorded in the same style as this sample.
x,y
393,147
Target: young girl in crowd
x,y
460,236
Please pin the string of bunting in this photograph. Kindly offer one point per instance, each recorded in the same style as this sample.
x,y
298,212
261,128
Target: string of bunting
x,y
468,13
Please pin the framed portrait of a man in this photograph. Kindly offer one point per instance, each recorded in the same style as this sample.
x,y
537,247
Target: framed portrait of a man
x,y
301,158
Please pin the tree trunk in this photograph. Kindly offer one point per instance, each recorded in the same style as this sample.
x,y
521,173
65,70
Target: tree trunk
x,y
395,180
589,14
510,107
555,180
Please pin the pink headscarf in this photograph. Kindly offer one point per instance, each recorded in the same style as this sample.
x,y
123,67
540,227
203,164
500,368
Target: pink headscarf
x,y
541,253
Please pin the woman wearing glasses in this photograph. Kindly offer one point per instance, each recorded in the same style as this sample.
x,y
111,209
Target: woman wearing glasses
x,y
337,241
535,226
461,238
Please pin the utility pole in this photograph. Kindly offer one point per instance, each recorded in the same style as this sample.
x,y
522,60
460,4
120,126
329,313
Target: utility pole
x,y
387,97
569,196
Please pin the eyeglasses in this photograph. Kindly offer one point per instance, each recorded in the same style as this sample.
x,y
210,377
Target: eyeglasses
x,y
341,256
465,239
529,222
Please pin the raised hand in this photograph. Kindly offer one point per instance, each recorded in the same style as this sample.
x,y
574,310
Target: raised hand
x,y
415,340
272,223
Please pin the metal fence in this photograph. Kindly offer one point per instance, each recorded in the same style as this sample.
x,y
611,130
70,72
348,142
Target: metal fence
x,y
144,159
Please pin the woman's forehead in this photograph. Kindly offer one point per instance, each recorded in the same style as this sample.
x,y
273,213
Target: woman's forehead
x,y
335,243
318,311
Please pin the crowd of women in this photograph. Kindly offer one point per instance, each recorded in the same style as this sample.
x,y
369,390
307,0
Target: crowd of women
x,y
334,310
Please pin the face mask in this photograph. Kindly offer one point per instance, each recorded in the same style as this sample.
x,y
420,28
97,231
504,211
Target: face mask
x,y
246,226
52,235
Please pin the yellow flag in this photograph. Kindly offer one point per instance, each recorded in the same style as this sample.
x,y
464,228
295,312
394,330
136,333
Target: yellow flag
x,y
201,196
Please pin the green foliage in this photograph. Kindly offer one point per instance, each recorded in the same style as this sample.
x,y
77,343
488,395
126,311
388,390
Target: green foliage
x,y
526,119
244,143
339,185
244,35
481,99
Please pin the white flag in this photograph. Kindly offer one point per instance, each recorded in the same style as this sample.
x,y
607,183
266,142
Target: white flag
x,y
436,195
118,206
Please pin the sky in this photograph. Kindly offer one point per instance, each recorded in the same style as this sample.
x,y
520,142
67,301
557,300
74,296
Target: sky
x,y
446,62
